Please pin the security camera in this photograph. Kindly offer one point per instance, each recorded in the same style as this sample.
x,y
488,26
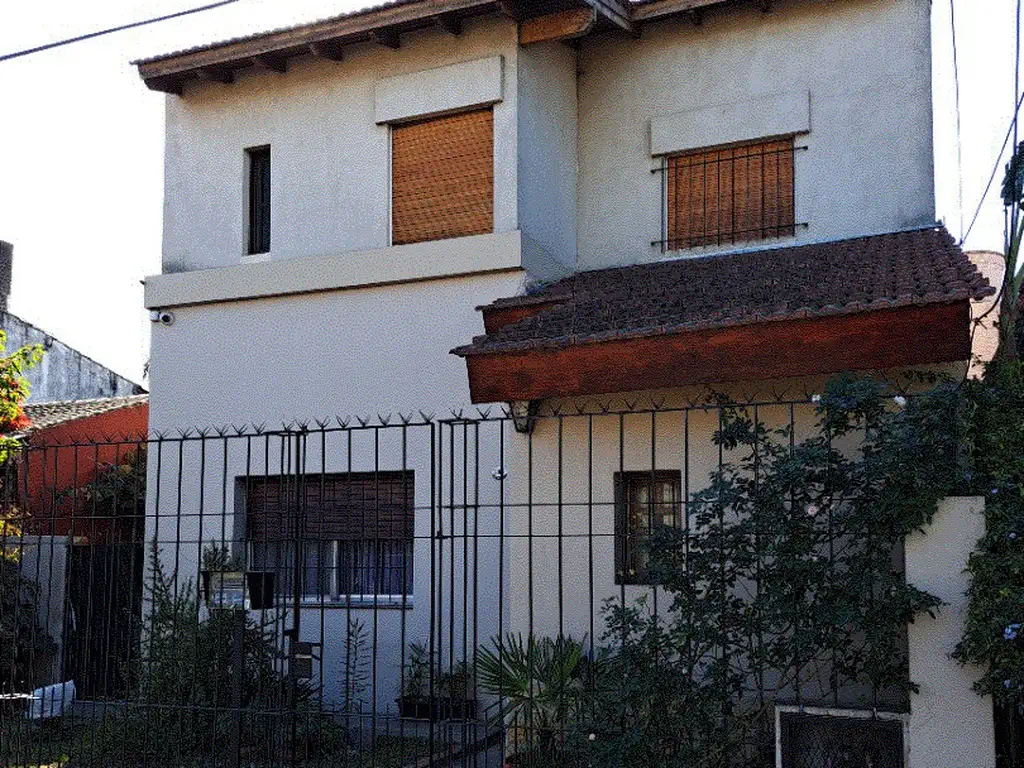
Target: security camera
x,y
164,318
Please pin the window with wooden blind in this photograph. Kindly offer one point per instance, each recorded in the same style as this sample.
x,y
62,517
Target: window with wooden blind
x,y
645,503
442,177
729,195
352,534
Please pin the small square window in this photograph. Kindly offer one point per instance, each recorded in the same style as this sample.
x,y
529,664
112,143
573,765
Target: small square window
x,y
645,502
442,177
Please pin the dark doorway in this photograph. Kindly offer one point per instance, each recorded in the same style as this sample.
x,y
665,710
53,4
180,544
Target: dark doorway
x,y
104,610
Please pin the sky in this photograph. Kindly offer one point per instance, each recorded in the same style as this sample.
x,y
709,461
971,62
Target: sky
x,y
81,149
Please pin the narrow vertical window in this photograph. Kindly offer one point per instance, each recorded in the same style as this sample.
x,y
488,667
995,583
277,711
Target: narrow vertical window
x,y
258,211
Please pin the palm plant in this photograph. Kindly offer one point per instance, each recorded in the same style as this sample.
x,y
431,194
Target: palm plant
x,y
540,683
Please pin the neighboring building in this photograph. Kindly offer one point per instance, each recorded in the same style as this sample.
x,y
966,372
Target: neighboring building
x,y
689,193
86,551
986,332
64,373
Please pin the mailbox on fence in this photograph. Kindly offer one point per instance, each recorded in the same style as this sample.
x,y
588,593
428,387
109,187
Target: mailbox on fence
x,y
302,660
238,590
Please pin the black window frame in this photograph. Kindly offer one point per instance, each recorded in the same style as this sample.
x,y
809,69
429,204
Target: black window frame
x,y
258,215
884,736
629,545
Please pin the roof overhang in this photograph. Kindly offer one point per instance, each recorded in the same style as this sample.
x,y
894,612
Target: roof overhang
x,y
901,337
385,24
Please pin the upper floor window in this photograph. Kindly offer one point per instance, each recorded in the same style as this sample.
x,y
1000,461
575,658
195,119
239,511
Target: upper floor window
x,y
729,195
257,161
442,177
645,503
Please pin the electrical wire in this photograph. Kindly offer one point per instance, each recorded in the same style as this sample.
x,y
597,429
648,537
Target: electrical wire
x,y
995,169
956,96
110,30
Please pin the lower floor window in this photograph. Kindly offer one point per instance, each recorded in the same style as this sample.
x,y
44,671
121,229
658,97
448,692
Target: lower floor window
x,y
341,569
351,538
645,503
820,741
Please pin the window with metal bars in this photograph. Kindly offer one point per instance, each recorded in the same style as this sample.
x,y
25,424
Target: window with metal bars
x,y
645,503
353,533
837,741
728,195
258,200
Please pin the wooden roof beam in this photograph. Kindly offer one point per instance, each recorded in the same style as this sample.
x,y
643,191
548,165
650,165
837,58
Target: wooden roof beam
x,y
270,62
169,84
388,37
654,9
615,11
216,75
331,50
564,25
450,23
513,9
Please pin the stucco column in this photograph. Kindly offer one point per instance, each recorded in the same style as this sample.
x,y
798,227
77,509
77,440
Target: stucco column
x,y
950,725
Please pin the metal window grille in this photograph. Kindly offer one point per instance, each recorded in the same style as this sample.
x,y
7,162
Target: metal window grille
x,y
729,195
835,741
645,504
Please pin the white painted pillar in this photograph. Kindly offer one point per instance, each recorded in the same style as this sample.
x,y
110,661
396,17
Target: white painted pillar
x,y
950,725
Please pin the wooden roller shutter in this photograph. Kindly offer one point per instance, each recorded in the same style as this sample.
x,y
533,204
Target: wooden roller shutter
x,y
356,506
730,195
442,177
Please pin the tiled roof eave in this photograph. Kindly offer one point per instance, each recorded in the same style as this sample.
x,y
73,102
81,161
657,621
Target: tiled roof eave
x,y
481,345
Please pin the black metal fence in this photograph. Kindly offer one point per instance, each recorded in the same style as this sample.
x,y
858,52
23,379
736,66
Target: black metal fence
x,y
410,591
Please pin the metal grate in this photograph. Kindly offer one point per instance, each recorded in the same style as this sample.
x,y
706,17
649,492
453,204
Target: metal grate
x,y
830,741
728,195
515,536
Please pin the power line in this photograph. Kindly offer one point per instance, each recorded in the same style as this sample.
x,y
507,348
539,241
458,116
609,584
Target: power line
x,y
110,30
995,168
956,97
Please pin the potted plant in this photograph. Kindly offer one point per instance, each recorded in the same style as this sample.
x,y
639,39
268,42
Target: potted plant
x,y
414,700
453,695
457,693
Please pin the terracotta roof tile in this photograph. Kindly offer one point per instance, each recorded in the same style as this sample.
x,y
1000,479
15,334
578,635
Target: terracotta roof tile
x,y
46,415
917,267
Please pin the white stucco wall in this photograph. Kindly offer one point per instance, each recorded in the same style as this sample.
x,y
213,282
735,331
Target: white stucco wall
x,y
368,350
950,725
548,148
866,64
357,353
330,167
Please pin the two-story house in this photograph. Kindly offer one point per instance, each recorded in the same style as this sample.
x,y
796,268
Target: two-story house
x,y
584,200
